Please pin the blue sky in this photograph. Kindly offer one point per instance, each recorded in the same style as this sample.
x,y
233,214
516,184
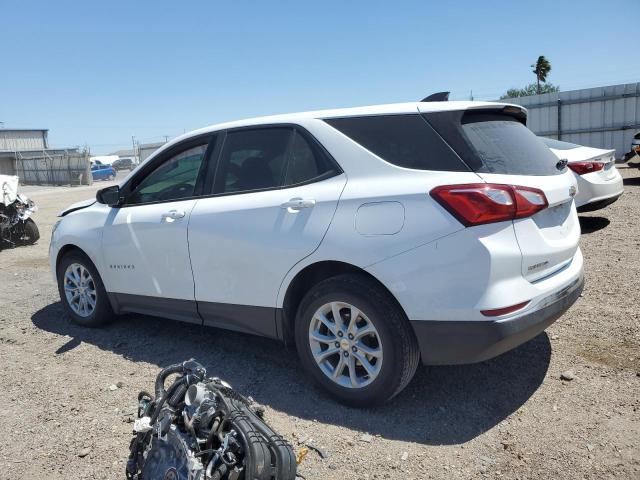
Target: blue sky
x,y
97,73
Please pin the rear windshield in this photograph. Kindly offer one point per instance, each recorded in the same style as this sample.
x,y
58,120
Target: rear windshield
x,y
404,140
492,142
558,144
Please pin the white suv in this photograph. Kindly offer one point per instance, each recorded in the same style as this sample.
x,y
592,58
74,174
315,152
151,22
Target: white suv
x,y
372,238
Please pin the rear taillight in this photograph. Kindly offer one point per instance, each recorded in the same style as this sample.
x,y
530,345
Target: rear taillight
x,y
582,168
479,203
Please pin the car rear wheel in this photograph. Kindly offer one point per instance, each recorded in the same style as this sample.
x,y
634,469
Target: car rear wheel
x,y
355,340
82,292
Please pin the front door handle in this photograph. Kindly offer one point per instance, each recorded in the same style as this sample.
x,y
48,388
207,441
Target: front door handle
x,y
297,204
172,215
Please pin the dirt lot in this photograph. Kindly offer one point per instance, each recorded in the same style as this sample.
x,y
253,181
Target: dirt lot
x,y
512,417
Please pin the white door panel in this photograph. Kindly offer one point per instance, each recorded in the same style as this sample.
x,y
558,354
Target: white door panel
x,y
243,245
146,250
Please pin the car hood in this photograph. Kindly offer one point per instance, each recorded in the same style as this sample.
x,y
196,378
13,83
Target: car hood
x,y
77,206
583,154
8,189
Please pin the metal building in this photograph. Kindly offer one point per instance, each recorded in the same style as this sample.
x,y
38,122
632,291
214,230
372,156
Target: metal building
x,y
146,149
22,139
26,153
601,117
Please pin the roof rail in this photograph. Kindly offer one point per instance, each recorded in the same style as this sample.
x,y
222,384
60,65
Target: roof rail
x,y
437,97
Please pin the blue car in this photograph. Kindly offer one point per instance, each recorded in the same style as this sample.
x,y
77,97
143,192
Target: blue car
x,y
103,172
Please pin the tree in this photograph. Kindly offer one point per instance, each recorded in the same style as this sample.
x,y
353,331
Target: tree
x,y
531,89
541,68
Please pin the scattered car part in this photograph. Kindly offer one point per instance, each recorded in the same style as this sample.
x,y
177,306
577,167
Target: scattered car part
x,y
200,429
16,225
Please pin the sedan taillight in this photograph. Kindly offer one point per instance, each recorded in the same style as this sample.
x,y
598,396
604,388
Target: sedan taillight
x,y
582,168
480,203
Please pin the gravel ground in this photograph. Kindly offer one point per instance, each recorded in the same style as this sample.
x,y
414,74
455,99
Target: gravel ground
x,y
511,417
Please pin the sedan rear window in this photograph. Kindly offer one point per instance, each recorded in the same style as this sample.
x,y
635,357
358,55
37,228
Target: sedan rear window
x,y
558,144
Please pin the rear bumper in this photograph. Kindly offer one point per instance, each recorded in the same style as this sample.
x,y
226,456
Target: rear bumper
x,y
595,189
460,342
598,204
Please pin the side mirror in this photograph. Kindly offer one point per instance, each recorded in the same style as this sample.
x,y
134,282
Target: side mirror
x,y
109,196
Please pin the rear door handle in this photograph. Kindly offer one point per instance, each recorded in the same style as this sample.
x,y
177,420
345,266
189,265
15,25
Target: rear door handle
x,y
297,204
172,215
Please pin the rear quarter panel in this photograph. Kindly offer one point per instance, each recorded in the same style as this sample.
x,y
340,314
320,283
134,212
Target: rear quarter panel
x,y
371,181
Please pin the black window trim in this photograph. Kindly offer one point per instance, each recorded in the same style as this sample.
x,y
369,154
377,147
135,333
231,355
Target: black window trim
x,y
210,177
204,139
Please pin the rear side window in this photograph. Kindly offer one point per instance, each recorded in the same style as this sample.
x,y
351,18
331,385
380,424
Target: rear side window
x,y
403,140
253,160
493,142
306,162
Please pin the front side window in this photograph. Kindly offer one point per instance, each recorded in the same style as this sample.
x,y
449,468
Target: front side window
x,y
172,180
253,160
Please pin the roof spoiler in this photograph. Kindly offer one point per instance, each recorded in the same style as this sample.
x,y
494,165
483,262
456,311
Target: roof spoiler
x,y
437,97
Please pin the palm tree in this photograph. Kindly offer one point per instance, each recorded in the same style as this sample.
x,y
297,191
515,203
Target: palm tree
x,y
541,68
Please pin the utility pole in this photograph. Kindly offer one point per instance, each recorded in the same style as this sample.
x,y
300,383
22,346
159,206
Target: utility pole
x,y
166,138
471,96
133,145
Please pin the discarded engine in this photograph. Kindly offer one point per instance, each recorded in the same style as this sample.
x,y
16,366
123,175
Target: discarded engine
x,y
16,226
199,429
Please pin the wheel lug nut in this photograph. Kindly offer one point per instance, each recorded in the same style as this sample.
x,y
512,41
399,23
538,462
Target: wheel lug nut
x,y
340,334
337,344
346,354
354,349
350,336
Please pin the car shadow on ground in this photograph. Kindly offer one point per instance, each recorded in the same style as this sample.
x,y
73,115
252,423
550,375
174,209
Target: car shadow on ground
x,y
442,405
631,181
593,224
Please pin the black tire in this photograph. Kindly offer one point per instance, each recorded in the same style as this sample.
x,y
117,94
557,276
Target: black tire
x,y
102,313
401,354
30,233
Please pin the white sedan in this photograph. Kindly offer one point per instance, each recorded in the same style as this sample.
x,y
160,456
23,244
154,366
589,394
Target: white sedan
x,y
599,182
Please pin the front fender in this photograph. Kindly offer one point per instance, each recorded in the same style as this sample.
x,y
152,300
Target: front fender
x,y
81,229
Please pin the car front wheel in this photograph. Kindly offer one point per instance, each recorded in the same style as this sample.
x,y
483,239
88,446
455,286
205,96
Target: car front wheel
x,y
355,340
82,292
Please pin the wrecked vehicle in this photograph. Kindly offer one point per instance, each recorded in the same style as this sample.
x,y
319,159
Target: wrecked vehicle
x,y
199,429
16,225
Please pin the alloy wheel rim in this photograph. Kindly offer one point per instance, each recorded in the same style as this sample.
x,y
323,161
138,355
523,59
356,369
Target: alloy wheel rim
x,y
80,290
345,345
